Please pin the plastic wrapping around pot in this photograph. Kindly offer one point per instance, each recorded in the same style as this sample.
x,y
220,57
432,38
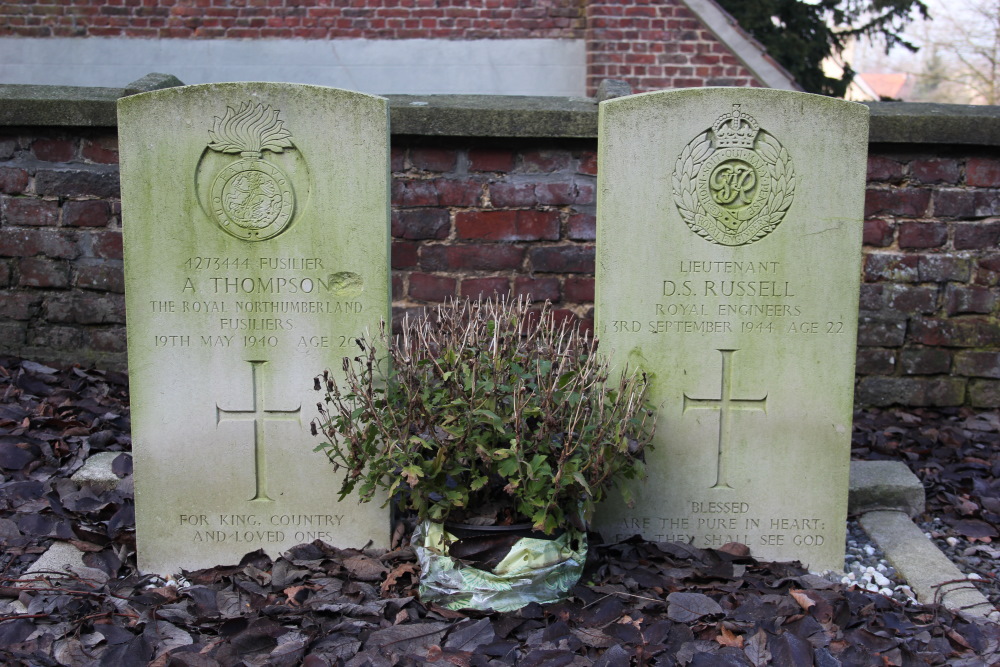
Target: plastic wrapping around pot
x,y
535,570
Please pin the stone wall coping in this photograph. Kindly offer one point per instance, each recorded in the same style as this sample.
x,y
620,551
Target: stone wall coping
x,y
505,116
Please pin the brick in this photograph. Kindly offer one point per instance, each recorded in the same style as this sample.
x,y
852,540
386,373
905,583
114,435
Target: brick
x,y
944,268
918,235
579,289
56,338
935,170
876,330
910,299
42,272
491,159
892,267
977,363
28,212
872,296
93,180
106,245
425,287
582,226
884,170
984,394
987,203
397,159
902,202
473,257
922,392
961,332
924,361
458,192
433,159
483,288
507,225
988,272
875,361
562,259
109,339
409,192
106,277
13,335
84,308
878,233
6,273
30,242
398,287
91,213
545,161
982,172
960,299
977,235
539,289
13,181
421,223
20,305
103,150
53,150
954,203
588,163
512,194
404,255
7,147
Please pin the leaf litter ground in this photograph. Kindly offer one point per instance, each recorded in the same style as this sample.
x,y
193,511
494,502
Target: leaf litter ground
x,y
641,603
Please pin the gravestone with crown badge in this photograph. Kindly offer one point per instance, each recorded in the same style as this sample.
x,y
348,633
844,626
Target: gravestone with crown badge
x,y
729,251
255,221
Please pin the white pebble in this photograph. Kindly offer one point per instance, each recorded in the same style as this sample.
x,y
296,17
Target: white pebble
x,y
870,550
871,587
881,568
886,591
907,591
881,580
975,575
952,541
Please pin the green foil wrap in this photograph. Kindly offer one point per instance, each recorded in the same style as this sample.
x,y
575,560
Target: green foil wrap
x,y
535,570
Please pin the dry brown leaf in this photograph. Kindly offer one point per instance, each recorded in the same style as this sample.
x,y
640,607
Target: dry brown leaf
x,y
727,638
802,598
397,572
365,568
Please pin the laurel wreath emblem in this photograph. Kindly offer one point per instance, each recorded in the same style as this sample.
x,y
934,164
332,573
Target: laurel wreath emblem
x,y
685,190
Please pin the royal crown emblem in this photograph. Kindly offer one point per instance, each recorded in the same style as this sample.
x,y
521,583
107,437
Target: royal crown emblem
x,y
733,183
251,198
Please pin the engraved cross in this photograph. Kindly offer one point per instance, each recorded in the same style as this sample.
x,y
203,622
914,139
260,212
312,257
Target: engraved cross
x,y
259,415
725,404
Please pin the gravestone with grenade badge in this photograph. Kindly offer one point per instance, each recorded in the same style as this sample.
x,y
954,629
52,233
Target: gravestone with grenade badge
x,y
255,224
729,255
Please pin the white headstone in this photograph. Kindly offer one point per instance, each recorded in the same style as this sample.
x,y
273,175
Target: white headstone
x,y
729,255
255,219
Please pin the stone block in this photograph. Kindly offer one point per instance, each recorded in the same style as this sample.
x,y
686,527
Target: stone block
x,y
931,575
885,485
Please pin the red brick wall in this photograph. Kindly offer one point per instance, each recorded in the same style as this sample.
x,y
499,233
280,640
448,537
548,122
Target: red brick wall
x,y
308,19
472,217
652,45
656,45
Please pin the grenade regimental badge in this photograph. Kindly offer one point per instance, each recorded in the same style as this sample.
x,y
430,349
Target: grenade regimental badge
x,y
251,198
733,183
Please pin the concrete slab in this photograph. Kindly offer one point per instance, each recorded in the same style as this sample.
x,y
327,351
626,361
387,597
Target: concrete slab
x,y
884,485
60,561
96,472
931,575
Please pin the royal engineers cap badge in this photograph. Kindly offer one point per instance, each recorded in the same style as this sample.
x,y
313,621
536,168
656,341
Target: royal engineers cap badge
x,y
251,198
734,182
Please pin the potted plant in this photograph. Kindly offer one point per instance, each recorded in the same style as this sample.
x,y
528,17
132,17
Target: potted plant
x,y
486,416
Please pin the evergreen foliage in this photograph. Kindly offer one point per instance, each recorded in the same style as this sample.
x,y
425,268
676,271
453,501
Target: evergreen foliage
x,y
800,34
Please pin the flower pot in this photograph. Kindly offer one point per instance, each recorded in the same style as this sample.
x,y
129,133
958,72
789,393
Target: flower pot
x,y
533,568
